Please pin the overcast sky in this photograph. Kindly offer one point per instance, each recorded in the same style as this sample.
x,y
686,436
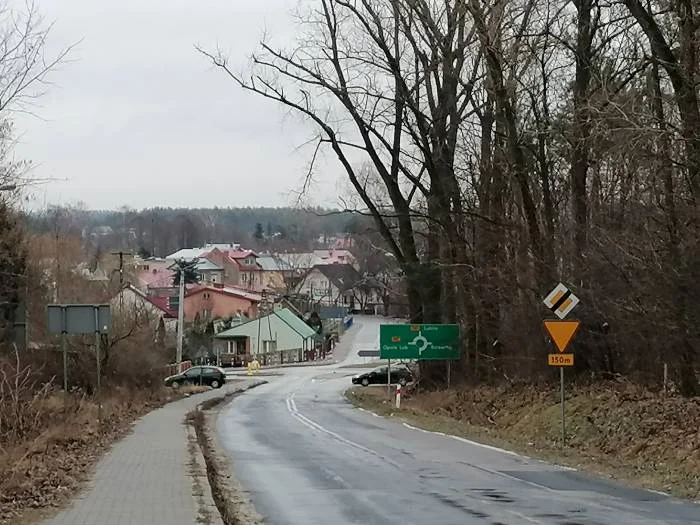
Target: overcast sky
x,y
139,118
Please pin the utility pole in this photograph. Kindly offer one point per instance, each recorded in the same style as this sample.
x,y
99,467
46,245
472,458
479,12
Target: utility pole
x,y
121,255
180,317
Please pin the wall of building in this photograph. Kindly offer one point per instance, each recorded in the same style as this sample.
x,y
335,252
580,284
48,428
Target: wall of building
x,y
212,304
273,279
272,328
231,274
320,289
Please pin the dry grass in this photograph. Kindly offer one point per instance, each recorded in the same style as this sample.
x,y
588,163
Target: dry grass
x,y
616,430
231,500
46,468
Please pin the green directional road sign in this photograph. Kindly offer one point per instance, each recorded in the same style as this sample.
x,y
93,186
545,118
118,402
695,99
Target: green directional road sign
x,y
419,341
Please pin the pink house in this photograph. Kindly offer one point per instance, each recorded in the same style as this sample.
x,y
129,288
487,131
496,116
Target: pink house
x,y
212,302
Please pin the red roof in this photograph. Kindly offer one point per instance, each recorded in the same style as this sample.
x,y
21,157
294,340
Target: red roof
x,y
227,290
162,303
241,254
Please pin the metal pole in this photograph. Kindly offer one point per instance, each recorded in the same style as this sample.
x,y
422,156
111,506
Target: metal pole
x,y
563,419
180,319
97,356
97,351
258,342
449,370
64,344
388,379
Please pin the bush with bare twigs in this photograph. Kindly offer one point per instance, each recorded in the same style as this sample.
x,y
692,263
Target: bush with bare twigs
x,y
21,400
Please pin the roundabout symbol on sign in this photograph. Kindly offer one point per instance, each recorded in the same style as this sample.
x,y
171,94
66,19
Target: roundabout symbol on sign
x,y
421,343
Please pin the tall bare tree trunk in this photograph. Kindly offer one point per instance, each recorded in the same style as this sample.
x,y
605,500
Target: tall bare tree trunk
x,y
581,133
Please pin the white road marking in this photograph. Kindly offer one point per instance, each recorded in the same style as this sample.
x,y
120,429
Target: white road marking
x,y
468,441
369,412
292,407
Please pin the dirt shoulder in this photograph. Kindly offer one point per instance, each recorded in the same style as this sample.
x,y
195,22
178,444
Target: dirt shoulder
x,y
231,500
45,472
618,431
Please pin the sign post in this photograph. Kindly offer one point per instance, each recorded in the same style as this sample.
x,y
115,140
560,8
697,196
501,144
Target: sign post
x,y
563,401
67,319
388,376
561,301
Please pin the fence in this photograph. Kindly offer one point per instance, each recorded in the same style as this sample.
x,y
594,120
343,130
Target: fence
x,y
172,368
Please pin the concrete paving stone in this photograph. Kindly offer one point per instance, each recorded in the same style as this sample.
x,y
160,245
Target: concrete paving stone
x,y
144,478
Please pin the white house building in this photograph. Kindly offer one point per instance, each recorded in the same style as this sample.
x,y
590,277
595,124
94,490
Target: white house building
x,y
340,285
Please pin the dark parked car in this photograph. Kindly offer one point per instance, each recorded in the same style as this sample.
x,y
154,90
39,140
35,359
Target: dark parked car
x,y
212,376
380,376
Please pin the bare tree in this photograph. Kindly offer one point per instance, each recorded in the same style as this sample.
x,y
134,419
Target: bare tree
x,y
501,147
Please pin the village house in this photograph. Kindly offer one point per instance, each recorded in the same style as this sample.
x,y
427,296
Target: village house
x,y
237,267
250,271
341,285
132,305
150,263
280,333
336,256
209,272
211,302
276,274
231,269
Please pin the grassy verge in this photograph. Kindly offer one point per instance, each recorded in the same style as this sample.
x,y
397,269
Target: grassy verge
x,y
43,472
616,431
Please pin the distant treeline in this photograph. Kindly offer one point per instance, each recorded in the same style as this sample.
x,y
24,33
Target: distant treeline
x,y
160,231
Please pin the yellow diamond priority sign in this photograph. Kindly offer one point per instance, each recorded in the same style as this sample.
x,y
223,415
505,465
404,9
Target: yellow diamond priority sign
x,y
561,301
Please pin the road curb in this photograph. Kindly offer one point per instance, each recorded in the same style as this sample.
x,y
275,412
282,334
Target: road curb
x,y
207,512
209,480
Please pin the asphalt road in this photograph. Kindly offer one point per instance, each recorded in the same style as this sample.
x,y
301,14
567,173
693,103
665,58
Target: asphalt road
x,y
308,457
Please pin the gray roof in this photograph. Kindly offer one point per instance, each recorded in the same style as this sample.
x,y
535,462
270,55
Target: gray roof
x,y
300,261
207,265
188,254
271,263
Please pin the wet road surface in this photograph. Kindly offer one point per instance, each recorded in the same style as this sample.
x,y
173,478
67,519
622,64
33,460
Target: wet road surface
x,y
308,457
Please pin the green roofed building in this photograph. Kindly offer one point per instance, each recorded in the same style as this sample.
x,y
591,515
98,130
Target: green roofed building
x,y
280,332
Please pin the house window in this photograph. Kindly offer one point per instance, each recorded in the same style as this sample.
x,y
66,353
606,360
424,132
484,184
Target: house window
x,y
206,313
269,346
206,295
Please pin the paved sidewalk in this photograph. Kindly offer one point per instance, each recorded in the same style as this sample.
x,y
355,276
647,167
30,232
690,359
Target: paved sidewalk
x,y
150,477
